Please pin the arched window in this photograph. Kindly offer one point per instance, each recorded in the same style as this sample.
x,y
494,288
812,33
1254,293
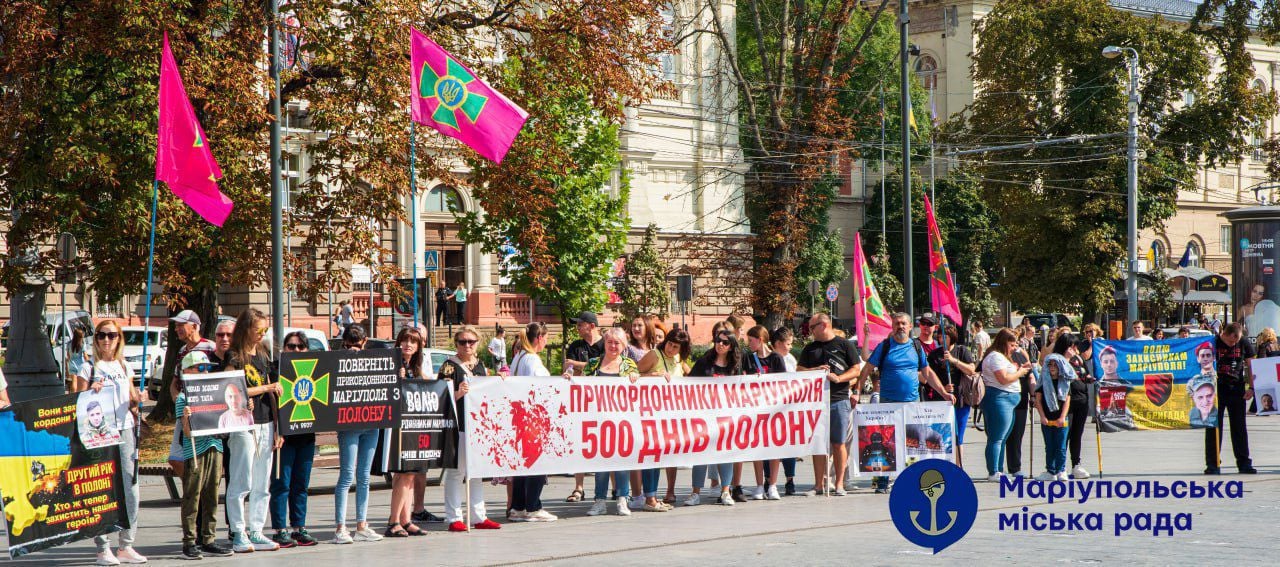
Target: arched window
x,y
927,72
442,199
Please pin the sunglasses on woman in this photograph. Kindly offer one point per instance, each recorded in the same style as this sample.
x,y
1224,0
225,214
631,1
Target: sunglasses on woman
x,y
107,336
724,342
466,342
294,346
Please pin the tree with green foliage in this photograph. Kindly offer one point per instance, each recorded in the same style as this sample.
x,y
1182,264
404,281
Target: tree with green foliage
x,y
554,202
1038,73
822,260
645,289
803,71
888,284
1159,294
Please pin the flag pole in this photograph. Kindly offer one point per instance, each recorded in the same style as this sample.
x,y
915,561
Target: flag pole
x,y
413,213
151,263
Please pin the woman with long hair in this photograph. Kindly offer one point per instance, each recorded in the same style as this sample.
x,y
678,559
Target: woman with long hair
x,y
670,359
459,368
724,359
526,491
75,358
250,451
409,344
109,370
289,484
957,358
356,448
641,338
1004,390
761,359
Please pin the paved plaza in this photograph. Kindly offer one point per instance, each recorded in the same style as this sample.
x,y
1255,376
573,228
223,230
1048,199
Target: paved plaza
x,y
799,530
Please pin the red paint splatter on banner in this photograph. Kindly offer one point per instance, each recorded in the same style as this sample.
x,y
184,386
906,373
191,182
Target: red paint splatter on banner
x,y
515,434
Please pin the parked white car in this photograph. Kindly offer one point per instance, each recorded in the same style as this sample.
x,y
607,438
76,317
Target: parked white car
x,y
156,340
316,339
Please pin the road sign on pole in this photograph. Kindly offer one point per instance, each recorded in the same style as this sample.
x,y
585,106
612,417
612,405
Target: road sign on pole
x,y
431,261
832,292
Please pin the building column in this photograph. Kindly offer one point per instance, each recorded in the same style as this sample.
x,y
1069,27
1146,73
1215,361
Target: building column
x,y
482,303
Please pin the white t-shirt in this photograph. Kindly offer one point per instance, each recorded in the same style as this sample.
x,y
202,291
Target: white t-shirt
x,y
117,373
528,364
996,361
1141,338
982,340
790,361
4,384
498,348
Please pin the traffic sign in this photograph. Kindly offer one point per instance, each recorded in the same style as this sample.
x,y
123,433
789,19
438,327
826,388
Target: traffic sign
x,y
832,292
431,261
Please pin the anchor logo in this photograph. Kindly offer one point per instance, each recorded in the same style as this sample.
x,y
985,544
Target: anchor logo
x,y
932,485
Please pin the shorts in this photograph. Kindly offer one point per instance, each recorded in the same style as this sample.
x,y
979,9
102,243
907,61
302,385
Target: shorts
x,y
841,418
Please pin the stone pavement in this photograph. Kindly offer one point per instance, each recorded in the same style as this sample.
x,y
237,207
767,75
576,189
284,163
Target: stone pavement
x,y
799,530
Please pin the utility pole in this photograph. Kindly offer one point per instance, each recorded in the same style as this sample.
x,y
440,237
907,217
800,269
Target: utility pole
x,y
884,174
1131,278
277,198
905,95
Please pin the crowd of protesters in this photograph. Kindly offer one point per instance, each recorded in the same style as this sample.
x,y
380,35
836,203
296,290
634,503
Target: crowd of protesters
x,y
1004,376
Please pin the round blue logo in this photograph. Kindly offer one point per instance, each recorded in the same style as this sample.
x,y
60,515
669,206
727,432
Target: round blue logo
x,y
933,504
303,390
451,92
1244,243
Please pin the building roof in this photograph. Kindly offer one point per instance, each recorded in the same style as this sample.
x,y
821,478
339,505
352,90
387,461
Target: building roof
x,y
1178,10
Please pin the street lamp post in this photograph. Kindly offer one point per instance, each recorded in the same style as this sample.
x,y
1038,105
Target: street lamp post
x,y
1131,279
904,21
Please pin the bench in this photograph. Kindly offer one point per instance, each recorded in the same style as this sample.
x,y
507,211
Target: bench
x,y
166,472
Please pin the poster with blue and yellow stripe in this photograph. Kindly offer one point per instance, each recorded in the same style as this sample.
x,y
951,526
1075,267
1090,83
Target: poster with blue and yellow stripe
x,y
54,490
1146,384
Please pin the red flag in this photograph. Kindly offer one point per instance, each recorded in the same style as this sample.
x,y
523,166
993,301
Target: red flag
x,y
449,97
871,319
942,288
183,159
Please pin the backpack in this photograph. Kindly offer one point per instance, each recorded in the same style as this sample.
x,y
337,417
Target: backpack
x,y
885,352
970,389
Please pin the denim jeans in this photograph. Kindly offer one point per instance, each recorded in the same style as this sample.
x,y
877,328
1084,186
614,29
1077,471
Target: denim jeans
x,y
129,464
788,468
997,407
289,487
1055,448
249,476
725,470
962,421
649,482
526,492
355,460
621,479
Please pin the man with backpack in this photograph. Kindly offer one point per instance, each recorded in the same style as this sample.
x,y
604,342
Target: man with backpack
x,y
903,366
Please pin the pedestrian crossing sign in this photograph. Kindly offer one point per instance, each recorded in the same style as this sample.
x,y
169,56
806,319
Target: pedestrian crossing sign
x,y
431,262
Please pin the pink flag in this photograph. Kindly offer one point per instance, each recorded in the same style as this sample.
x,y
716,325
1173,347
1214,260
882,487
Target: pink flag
x,y
447,96
942,288
183,159
870,317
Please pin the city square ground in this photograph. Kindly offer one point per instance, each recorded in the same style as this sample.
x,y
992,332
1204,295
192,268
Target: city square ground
x,y
799,530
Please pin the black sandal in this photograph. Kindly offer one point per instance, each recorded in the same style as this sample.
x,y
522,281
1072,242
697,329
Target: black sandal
x,y
575,496
394,530
416,531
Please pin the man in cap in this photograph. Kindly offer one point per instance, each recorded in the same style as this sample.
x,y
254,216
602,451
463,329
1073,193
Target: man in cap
x,y
1203,393
186,324
589,346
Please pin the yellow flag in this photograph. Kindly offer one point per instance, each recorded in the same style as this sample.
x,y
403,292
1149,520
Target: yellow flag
x,y
912,118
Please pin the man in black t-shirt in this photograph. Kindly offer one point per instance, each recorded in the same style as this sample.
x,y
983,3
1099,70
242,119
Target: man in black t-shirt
x,y
1235,389
843,364
590,346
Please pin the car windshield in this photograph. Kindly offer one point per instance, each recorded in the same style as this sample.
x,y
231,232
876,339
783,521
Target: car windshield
x,y
135,338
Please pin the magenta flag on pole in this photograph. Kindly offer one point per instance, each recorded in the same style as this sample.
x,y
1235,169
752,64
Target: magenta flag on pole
x,y
447,96
183,159
871,319
942,287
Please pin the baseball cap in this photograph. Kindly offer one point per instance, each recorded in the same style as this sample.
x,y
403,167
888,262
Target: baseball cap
x,y
927,319
194,358
586,317
186,316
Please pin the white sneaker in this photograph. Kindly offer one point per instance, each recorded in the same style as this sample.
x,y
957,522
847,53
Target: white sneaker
x,y
341,536
600,508
758,494
1020,474
1079,473
262,543
693,500
772,494
518,516
1063,476
726,498
240,543
367,534
107,558
624,506
995,477
840,492
541,516
1046,476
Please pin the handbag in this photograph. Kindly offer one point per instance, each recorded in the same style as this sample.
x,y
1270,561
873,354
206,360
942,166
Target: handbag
x,y
971,390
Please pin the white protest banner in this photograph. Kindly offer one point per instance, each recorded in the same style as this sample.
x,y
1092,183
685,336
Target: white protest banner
x,y
893,436
1266,386
550,425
